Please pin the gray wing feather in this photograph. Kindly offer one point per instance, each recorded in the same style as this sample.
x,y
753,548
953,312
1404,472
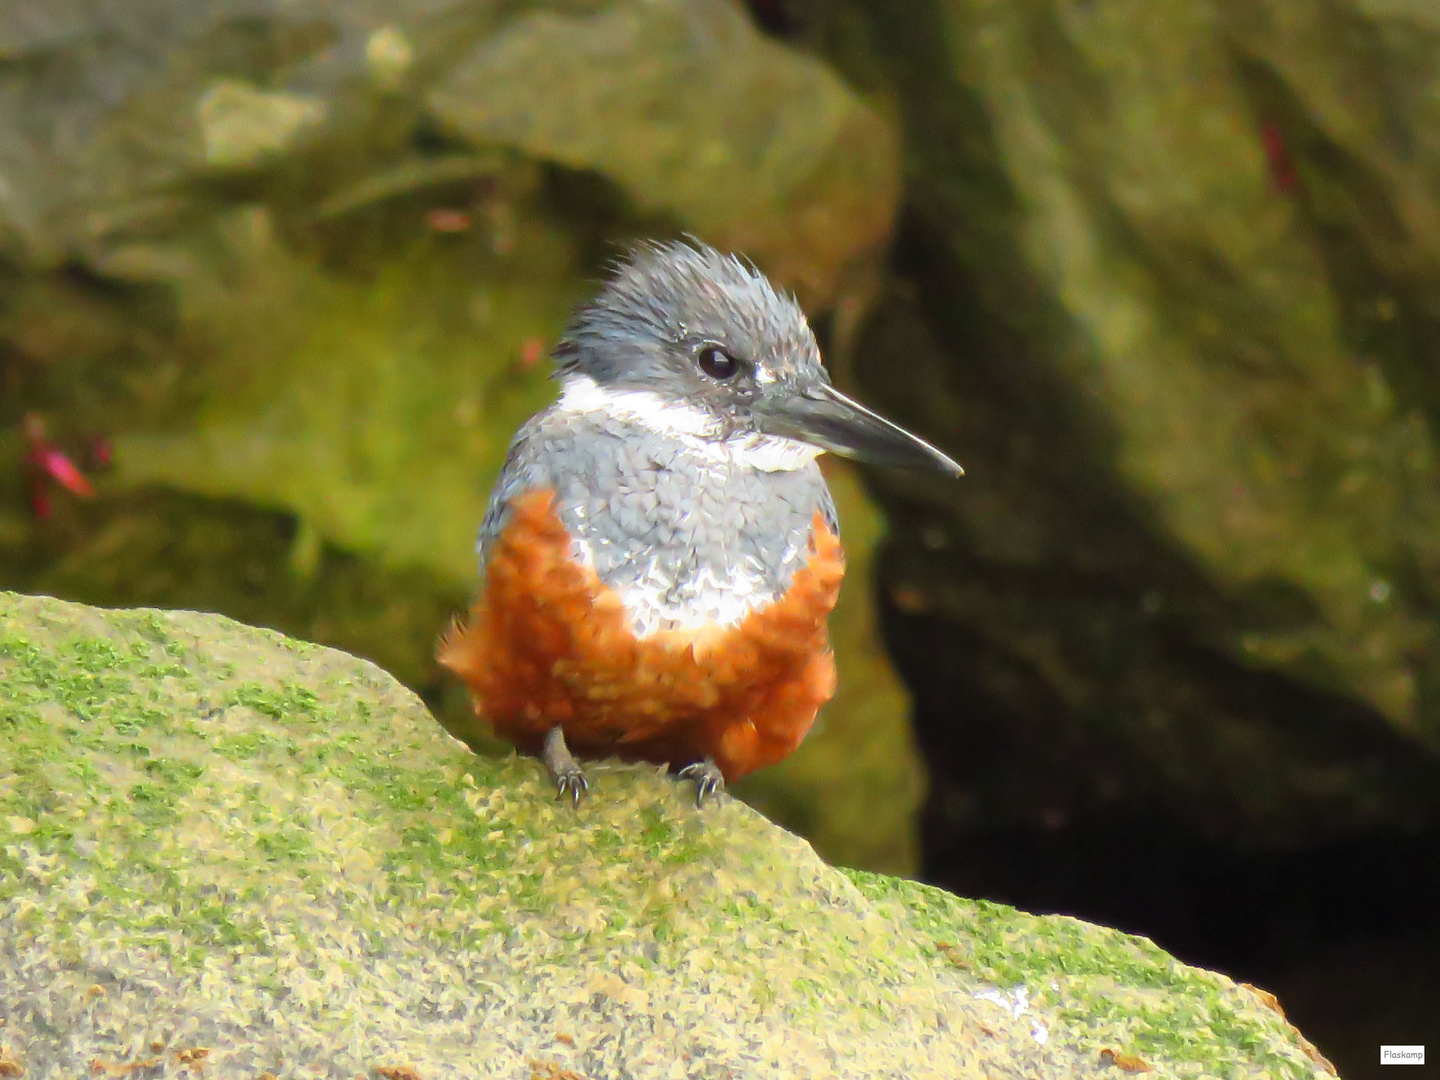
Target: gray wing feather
x,y
828,513
524,470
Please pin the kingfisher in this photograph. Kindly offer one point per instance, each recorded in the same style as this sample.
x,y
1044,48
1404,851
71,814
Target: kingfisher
x,y
661,552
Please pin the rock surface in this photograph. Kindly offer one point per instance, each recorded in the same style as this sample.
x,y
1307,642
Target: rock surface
x,y
219,846
757,147
1165,283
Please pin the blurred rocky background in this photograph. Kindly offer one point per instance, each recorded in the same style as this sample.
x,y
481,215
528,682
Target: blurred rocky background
x,y
278,278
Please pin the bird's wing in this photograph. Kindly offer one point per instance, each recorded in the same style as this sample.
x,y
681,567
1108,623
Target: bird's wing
x,y
828,513
526,468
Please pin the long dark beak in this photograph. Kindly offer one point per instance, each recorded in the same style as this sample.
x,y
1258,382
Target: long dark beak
x,y
822,416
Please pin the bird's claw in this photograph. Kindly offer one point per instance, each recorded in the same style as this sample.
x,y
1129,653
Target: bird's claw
x,y
709,780
573,783
568,777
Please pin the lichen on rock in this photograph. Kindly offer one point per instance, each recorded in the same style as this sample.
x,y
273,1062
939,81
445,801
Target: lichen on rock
x,y
215,840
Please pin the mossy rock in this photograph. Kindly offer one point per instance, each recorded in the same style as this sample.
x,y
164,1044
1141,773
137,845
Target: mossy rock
x,y
853,788
1141,289
221,845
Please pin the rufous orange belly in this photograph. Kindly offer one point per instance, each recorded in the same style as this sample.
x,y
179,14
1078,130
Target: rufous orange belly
x,y
548,644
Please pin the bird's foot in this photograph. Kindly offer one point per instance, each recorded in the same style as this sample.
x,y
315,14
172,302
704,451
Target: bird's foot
x,y
564,771
709,780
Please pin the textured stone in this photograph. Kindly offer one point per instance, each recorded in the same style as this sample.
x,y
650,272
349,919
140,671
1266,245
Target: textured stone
x,y
698,116
681,103
242,125
221,845
1165,285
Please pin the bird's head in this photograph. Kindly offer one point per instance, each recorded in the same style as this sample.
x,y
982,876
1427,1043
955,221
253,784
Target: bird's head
x,y
694,343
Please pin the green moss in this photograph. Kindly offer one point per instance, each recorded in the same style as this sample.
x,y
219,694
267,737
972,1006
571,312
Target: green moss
x,y
1107,989
279,703
174,771
286,844
322,787
655,830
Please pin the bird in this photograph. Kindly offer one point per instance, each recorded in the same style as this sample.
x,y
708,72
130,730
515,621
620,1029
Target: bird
x,y
660,553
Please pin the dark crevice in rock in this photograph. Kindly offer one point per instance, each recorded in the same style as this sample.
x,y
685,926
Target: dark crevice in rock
x,y
995,730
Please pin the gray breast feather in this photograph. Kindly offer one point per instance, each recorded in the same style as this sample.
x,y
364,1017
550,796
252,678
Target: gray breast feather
x,y
685,539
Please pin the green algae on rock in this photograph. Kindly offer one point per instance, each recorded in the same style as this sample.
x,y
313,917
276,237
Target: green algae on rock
x,y
1104,989
1165,278
1214,339
216,837
373,407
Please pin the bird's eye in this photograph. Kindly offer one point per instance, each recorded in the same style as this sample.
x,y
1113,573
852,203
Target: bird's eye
x,y
717,363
